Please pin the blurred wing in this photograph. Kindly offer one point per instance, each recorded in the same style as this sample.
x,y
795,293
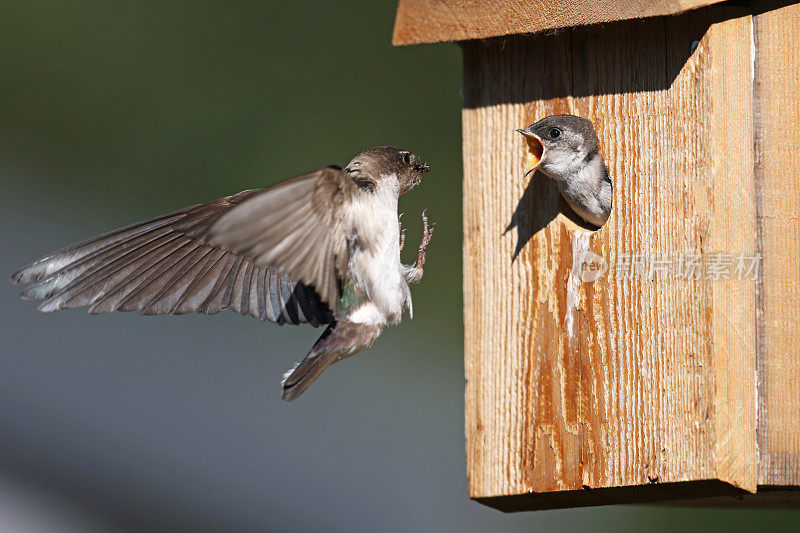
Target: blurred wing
x,y
296,228
167,266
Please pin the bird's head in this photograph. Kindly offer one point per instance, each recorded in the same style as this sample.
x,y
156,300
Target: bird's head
x,y
559,145
372,167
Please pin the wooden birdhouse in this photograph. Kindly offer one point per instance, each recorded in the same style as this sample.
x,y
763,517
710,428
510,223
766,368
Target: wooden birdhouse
x,y
657,357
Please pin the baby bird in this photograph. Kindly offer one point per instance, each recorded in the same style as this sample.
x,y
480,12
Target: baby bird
x,y
565,148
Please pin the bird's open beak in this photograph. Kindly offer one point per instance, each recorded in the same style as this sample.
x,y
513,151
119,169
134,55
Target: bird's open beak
x,y
424,167
534,152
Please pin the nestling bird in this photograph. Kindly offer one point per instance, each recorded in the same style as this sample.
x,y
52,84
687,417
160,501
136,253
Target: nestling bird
x,y
322,248
565,148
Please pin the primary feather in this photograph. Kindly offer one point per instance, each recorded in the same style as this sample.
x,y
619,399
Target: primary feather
x,y
167,265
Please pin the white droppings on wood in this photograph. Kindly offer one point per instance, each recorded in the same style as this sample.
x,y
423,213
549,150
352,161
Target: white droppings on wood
x,y
580,245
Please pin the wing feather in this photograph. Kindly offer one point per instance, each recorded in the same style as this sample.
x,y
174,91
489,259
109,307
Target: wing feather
x,y
168,265
287,304
139,279
274,304
238,287
253,303
245,294
219,297
46,266
298,229
260,297
180,275
197,291
143,294
77,272
99,277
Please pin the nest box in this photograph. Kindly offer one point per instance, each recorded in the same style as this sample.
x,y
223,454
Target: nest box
x,y
658,357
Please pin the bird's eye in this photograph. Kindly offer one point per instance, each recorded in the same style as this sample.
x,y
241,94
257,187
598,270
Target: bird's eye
x,y
554,133
406,158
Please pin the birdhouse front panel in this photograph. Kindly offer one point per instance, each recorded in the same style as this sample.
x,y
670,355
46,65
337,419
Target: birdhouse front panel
x,y
618,356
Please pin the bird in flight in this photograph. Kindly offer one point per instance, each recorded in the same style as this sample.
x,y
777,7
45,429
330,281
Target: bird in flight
x,y
322,248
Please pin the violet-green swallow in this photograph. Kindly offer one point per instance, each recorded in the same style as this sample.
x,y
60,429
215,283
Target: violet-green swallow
x,y
566,149
322,248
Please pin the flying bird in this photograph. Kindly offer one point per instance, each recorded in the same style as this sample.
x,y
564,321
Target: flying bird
x,y
566,148
322,248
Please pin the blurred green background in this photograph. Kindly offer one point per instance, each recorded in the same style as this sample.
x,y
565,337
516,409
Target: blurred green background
x,y
111,112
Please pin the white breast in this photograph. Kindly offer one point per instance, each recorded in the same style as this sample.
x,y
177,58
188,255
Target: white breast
x,y
375,259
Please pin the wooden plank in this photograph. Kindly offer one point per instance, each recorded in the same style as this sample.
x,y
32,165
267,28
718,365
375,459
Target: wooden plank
x,y
777,70
733,232
621,382
430,21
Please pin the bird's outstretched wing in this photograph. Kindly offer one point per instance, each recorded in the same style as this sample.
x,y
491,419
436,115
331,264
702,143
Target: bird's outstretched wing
x,y
168,265
297,228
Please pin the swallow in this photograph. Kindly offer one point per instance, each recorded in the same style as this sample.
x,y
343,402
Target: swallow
x,y
321,249
565,148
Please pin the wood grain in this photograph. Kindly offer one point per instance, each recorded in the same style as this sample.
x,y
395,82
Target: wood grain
x,y
777,70
733,231
573,386
429,21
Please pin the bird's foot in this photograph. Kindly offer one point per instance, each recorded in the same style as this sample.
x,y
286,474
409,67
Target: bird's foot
x,y
427,233
413,273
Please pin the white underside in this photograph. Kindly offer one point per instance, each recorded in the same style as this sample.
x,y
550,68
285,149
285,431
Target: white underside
x,y
368,313
376,265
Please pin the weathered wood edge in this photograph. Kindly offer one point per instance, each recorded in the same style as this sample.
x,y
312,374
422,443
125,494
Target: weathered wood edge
x,y
431,21
777,112
710,492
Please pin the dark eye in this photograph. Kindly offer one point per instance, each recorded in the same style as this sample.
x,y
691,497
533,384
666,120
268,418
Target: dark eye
x,y
406,158
554,133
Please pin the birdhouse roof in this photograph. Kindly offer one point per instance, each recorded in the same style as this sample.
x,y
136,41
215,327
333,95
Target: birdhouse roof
x,y
431,21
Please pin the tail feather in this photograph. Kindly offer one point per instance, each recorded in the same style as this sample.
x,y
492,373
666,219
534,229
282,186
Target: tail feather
x,y
338,341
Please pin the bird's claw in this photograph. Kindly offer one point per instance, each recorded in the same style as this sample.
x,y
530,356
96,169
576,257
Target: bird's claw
x,y
427,233
413,273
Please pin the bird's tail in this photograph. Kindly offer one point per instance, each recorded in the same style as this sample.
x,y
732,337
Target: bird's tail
x,y
338,341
